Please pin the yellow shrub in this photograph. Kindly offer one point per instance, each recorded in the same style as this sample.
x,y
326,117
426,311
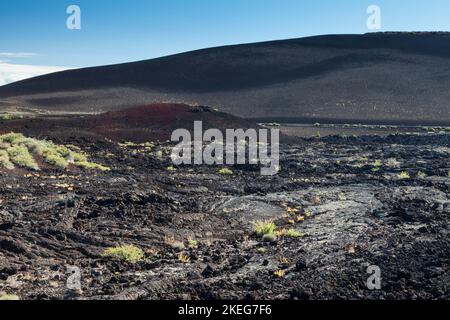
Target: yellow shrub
x,y
126,253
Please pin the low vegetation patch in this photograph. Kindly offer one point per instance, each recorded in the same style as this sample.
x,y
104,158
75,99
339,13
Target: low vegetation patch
x,y
291,233
279,273
6,116
225,172
377,163
130,254
263,228
5,162
192,243
171,169
148,146
404,175
18,150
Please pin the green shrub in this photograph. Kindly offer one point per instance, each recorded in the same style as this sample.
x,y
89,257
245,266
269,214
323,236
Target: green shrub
x,y
78,157
7,116
404,175
92,166
264,227
130,254
377,163
20,149
53,157
192,243
225,172
20,155
11,137
5,163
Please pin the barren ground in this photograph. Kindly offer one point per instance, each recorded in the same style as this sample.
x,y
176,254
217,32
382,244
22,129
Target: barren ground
x,y
357,212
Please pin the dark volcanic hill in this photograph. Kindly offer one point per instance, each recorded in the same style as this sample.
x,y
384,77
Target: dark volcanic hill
x,y
383,77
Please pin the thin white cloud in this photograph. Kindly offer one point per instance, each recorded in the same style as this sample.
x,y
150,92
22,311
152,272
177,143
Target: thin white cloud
x,y
18,54
15,72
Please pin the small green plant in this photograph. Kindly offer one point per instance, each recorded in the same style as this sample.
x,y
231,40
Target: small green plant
x,y
7,116
377,163
171,169
127,144
54,157
264,227
448,173
4,161
192,243
128,253
421,175
225,172
19,155
317,135
404,175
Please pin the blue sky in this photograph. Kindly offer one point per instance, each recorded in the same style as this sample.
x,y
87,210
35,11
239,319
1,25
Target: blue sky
x,y
128,30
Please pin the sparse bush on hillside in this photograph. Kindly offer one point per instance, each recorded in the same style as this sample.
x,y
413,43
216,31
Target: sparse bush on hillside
x,y
4,160
130,254
19,155
171,169
264,227
404,175
53,157
377,163
19,150
225,172
7,116
192,243
91,166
